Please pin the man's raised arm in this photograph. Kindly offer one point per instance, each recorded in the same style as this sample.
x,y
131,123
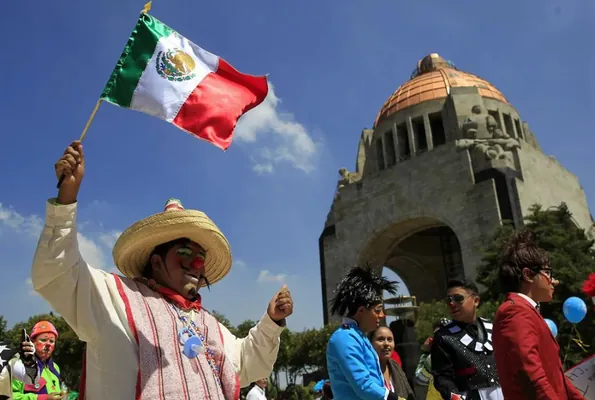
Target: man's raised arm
x,y
59,273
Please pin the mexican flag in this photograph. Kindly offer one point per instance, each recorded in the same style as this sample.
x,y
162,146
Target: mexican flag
x,y
163,74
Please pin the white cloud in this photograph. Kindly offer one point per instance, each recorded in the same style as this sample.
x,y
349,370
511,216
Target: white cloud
x,y
266,277
91,252
30,225
262,169
290,141
240,263
109,238
95,252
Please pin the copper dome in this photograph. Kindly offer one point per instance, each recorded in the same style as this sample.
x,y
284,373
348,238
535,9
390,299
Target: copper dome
x,y
432,79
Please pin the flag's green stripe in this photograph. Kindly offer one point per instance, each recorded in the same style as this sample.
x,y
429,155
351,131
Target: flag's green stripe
x,y
134,59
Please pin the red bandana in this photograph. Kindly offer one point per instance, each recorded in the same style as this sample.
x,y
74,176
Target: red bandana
x,y
180,300
175,297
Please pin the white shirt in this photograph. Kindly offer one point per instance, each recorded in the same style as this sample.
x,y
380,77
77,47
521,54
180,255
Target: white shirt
x,y
256,393
529,299
89,301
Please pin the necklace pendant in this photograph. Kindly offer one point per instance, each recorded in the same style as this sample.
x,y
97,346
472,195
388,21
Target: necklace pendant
x,y
193,347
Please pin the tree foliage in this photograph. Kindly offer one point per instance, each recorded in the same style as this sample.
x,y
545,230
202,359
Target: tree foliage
x,y
3,331
572,258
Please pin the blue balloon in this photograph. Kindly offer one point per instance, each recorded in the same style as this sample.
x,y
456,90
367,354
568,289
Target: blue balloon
x,y
552,325
574,309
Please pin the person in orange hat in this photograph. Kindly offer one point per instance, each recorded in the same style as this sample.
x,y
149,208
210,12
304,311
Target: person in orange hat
x,y
47,384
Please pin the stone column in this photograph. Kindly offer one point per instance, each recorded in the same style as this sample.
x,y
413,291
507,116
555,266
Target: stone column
x,y
384,158
428,130
514,133
411,136
501,121
396,142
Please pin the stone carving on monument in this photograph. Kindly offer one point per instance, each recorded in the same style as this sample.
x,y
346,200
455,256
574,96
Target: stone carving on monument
x,y
482,134
347,178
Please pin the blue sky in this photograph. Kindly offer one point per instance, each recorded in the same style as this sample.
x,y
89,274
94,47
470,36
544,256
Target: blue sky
x,y
332,65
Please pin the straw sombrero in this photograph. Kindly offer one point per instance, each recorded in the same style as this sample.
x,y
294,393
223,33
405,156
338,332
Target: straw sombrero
x,y
134,247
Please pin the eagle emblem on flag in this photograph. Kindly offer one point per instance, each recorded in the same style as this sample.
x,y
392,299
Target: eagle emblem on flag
x,y
175,65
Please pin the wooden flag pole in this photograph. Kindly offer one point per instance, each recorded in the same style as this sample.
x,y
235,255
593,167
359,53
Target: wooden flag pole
x,y
84,133
90,120
145,10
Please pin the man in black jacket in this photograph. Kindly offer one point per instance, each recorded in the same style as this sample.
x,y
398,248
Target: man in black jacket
x,y
462,354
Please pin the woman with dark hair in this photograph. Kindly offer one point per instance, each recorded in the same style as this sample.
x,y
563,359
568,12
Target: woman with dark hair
x,y
383,341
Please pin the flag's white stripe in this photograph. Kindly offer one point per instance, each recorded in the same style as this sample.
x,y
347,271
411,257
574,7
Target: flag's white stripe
x,y
162,98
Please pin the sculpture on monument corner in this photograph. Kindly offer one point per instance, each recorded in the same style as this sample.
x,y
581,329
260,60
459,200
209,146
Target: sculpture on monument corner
x,y
481,133
346,179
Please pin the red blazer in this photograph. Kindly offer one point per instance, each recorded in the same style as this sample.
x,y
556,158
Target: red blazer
x,y
527,354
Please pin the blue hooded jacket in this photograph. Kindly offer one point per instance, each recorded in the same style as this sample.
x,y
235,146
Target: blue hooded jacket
x,y
353,365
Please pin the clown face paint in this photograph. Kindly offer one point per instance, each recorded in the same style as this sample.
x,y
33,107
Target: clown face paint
x,y
45,345
182,269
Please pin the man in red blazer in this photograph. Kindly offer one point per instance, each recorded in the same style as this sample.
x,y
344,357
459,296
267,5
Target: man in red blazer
x,y
527,354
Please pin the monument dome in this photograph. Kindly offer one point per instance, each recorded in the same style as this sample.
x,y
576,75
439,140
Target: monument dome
x,y
431,80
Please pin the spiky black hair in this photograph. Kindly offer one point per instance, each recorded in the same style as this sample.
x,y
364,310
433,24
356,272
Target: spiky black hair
x,y
360,287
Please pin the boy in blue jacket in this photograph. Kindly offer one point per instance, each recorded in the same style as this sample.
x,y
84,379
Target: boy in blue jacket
x,y
353,365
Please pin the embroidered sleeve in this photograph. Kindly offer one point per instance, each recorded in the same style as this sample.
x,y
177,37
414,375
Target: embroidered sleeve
x,y
62,277
345,350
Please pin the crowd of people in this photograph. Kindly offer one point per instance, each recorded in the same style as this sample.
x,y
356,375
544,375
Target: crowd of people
x,y
148,335
514,357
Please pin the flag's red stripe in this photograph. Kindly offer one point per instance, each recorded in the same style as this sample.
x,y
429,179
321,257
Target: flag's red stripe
x,y
212,110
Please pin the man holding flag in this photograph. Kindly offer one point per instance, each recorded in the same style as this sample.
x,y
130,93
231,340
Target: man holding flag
x,y
147,334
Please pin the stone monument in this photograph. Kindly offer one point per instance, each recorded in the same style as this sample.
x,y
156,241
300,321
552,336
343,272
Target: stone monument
x,y
448,159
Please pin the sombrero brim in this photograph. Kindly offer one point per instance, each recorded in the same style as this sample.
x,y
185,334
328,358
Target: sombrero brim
x,y
134,247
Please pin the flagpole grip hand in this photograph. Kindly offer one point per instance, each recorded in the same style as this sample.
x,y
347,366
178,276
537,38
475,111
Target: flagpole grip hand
x,y
70,170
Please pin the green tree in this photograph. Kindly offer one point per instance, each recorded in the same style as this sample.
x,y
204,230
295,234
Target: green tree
x,y
69,349
308,353
3,330
572,258
223,320
243,329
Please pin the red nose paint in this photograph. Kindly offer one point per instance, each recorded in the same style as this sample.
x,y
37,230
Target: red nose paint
x,y
197,263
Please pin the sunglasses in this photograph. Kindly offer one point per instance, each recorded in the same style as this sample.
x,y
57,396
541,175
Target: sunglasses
x,y
547,272
456,298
